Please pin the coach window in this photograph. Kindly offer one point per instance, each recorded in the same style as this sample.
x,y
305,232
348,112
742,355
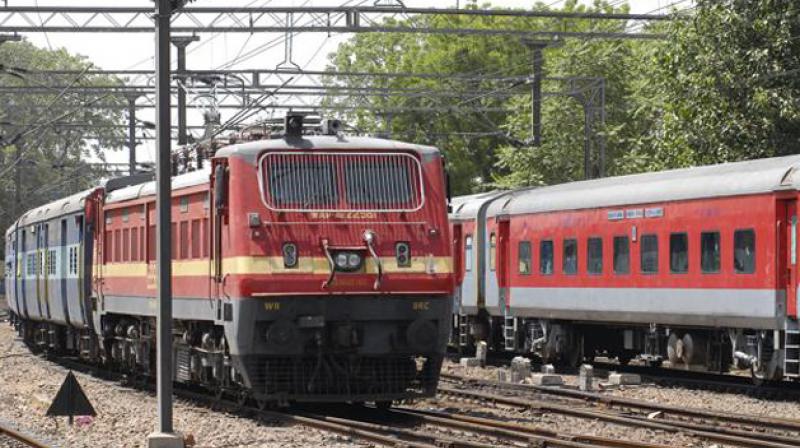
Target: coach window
x,y
709,252
649,254
744,251
468,253
570,260
493,252
679,253
546,257
622,255
594,256
525,257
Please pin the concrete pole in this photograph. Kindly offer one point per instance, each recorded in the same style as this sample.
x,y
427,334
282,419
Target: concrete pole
x,y
181,42
164,437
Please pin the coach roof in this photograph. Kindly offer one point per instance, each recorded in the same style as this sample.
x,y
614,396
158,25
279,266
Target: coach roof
x,y
191,179
251,150
727,179
65,206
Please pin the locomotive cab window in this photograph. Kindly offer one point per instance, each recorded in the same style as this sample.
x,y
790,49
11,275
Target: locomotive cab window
x,y
493,252
570,257
744,251
525,257
709,252
648,254
546,257
468,253
679,253
594,256
622,255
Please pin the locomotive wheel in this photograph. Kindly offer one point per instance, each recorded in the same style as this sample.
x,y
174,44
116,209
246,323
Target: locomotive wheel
x,y
672,350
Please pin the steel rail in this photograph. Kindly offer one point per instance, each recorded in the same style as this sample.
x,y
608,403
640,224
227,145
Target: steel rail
x,y
519,432
21,437
631,403
748,440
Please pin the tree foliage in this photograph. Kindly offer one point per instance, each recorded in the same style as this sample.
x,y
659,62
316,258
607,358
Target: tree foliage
x,y
721,86
50,134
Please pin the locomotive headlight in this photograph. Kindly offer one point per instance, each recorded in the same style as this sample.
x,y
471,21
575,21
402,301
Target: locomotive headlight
x,y
341,260
403,253
290,255
353,261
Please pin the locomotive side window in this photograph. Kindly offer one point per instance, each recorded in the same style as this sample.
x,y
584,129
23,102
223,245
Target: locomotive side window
x,y
594,256
744,251
525,257
570,259
622,255
546,257
468,253
709,252
493,252
679,253
648,261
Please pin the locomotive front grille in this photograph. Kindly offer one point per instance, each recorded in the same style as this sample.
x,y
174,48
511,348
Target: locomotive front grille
x,y
332,377
324,181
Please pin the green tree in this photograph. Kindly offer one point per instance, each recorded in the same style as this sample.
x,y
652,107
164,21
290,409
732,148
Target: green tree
x,y
49,134
730,84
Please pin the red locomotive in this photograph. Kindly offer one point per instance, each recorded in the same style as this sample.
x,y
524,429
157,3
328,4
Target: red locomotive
x,y
697,266
306,267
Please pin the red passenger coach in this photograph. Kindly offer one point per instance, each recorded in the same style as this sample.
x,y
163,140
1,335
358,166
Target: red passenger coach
x,y
697,266
305,268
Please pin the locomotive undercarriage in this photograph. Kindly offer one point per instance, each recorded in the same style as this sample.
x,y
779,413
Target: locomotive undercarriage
x,y
768,354
291,358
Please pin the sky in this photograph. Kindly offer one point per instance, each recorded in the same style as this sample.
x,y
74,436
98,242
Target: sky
x,y
135,51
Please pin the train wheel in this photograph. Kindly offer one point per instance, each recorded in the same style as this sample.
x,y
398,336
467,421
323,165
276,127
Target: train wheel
x,y
672,350
766,367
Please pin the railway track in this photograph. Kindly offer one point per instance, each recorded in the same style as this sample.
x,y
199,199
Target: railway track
x,y
20,438
727,428
402,426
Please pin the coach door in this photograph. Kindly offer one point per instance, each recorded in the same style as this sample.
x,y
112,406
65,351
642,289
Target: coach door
x,y
503,260
791,255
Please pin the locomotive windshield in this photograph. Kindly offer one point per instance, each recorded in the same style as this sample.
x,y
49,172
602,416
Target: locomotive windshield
x,y
341,181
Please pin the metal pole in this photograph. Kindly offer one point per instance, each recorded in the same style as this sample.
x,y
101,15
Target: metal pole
x,y
181,42
164,219
132,134
601,140
536,95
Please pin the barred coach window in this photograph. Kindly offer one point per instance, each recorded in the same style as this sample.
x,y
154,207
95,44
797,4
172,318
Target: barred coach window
x,y
570,261
679,253
546,257
744,251
525,257
649,254
594,256
622,255
709,252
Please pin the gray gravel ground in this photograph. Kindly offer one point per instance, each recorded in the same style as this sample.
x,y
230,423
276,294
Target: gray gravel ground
x,y
676,396
125,416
